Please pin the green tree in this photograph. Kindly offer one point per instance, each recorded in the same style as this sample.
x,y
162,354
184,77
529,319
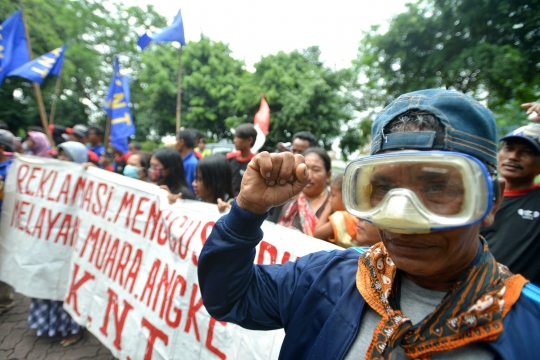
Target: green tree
x,y
303,94
488,49
96,30
211,79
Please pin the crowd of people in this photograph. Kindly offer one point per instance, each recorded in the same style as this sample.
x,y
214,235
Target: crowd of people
x,y
424,266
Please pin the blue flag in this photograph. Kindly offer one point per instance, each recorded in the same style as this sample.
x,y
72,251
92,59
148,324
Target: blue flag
x,y
38,69
13,47
174,32
116,106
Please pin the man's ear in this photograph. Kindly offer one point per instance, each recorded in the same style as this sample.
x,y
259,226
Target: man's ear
x,y
490,218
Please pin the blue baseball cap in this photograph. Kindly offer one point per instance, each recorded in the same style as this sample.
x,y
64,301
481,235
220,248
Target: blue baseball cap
x,y
469,127
530,132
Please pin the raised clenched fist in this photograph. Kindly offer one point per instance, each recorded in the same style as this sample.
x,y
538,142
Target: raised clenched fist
x,y
270,180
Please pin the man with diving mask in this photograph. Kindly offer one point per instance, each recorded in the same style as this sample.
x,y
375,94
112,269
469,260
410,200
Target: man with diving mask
x,y
429,290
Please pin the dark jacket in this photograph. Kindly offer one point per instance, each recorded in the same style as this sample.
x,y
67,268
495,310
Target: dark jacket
x,y
314,299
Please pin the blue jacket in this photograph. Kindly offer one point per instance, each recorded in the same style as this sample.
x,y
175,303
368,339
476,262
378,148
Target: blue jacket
x,y
314,299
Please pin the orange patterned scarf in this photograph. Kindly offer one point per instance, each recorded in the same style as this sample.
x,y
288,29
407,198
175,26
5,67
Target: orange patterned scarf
x,y
471,311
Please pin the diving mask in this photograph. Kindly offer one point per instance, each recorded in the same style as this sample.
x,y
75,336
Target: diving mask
x,y
418,191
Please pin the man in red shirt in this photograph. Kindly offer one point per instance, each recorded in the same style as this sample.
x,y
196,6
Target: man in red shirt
x,y
244,138
514,236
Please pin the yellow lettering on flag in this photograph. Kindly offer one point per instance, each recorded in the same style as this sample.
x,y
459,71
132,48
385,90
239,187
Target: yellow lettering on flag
x,y
46,61
117,101
57,52
126,119
1,50
42,72
118,82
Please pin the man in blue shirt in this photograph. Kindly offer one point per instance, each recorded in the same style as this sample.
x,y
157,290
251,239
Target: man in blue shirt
x,y
95,137
185,143
7,147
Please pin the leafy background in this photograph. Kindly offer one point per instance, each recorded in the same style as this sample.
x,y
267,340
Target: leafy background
x,y
488,49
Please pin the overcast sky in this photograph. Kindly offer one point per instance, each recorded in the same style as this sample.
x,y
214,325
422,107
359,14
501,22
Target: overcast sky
x,y
255,28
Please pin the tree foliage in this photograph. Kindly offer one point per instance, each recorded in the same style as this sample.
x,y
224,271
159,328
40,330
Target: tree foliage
x,y
303,94
210,80
489,49
96,31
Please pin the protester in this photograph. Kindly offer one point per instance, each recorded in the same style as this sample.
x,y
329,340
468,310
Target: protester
x,y
138,166
431,288
341,228
78,133
213,179
201,149
58,133
244,139
185,143
7,147
303,212
37,144
198,138
514,237
48,316
134,146
167,171
121,155
303,140
95,138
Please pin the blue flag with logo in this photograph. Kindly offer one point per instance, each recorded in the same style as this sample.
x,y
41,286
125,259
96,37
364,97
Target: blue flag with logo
x,y
117,107
13,47
38,69
174,32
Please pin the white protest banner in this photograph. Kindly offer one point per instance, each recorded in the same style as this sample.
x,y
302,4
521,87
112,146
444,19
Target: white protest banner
x,y
131,277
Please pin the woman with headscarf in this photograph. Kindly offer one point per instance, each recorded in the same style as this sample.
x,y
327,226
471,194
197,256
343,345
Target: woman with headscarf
x,y
48,316
38,144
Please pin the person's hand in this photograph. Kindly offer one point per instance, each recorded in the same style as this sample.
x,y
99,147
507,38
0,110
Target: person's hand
x,y
170,196
270,180
222,205
104,161
88,164
533,109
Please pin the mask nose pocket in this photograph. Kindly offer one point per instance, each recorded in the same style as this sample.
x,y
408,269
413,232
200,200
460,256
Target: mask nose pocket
x,y
400,215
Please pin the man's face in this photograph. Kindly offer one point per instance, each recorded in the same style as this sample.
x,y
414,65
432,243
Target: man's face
x,y
437,253
94,138
242,144
179,144
76,138
299,145
518,159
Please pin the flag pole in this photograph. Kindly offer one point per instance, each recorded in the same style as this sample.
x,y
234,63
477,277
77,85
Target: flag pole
x,y
55,97
179,95
107,132
37,89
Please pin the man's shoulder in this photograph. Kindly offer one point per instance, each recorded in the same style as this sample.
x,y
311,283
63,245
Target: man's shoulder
x,y
334,259
191,158
531,293
233,155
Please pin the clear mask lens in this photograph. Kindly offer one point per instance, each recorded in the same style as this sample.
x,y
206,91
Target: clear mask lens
x,y
417,192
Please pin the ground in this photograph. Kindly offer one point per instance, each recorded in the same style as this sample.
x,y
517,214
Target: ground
x,y
18,342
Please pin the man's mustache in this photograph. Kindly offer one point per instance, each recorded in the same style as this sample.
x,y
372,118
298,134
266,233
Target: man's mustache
x,y
513,163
